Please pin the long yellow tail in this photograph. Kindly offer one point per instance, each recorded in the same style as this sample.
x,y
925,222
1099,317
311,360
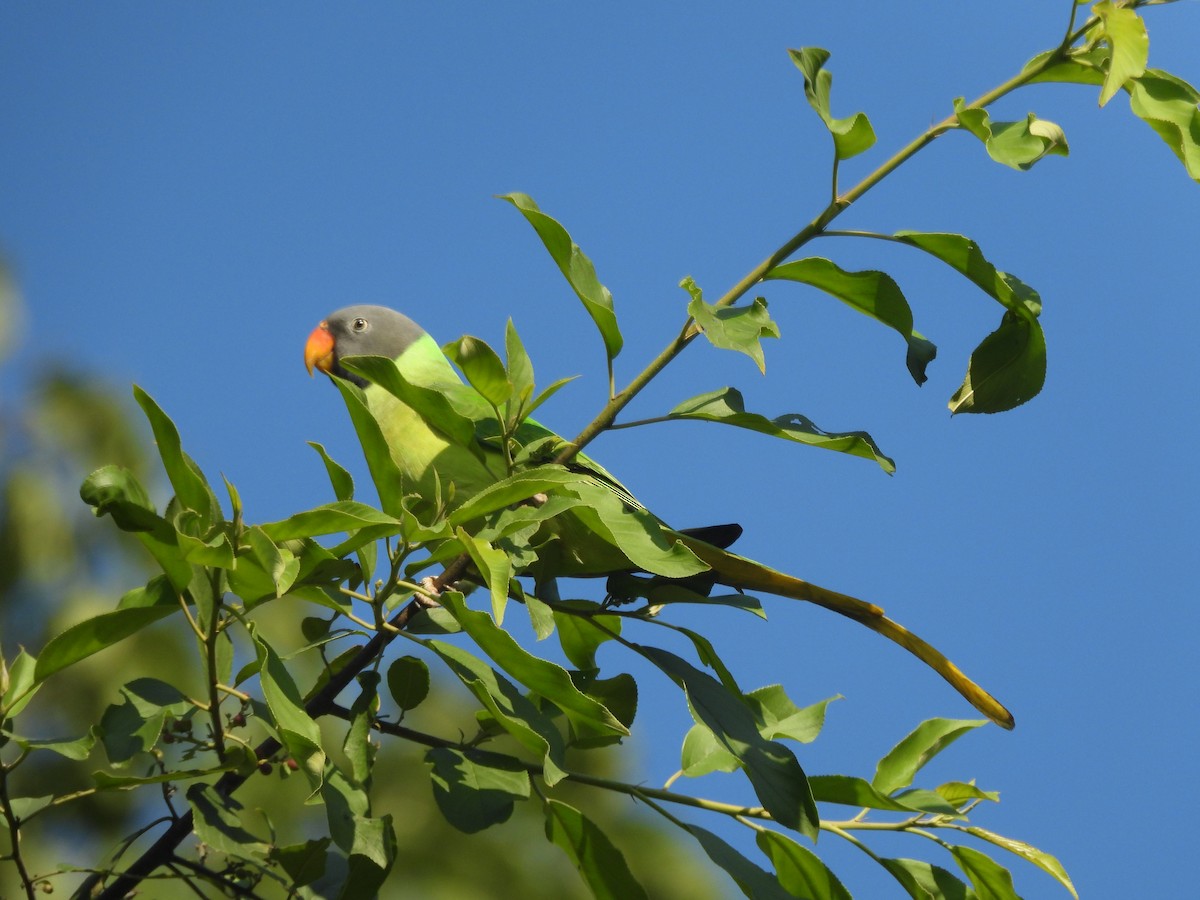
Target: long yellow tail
x,y
739,572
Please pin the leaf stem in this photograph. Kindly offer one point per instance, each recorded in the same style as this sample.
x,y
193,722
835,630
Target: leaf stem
x,y
616,426
877,235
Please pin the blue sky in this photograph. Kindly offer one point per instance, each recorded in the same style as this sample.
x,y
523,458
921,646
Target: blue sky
x,y
187,190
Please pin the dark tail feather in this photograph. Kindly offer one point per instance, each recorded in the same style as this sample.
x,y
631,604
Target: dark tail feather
x,y
718,535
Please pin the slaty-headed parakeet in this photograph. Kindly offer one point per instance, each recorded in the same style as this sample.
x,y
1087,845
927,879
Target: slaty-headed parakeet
x,y
445,466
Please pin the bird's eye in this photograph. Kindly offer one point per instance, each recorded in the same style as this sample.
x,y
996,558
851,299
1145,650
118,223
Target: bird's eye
x,y
360,324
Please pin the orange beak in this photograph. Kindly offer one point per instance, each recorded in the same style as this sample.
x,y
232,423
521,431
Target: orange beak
x,y
318,352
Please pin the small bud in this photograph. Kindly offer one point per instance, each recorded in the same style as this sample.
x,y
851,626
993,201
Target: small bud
x,y
265,767
292,764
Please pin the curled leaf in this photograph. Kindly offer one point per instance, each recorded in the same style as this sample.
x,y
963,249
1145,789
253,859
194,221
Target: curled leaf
x,y
739,328
1015,144
872,293
851,135
727,407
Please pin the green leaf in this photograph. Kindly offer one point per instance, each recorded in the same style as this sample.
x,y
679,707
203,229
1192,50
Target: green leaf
x,y
25,808
343,487
279,563
203,546
1015,144
1079,67
991,880
1169,106
851,791
638,534
515,489
703,752
783,719
548,393
386,475
546,679
958,794
577,268
297,729
619,695
408,682
799,870
93,635
512,710
727,407
851,135
541,616
897,769
156,592
360,752
372,854
599,862
191,490
580,638
135,725
345,803
519,368
772,768
218,825
1009,366
494,566
1007,369
112,490
924,881
1125,32
344,515
22,684
1039,858
707,654
106,781
71,748
663,591
964,256
451,408
115,491
473,794
303,863
755,882
739,328
482,367
873,294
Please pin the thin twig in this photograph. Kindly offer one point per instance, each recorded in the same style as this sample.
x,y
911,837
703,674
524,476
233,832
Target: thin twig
x,y
14,831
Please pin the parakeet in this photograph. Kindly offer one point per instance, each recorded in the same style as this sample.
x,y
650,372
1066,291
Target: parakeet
x,y
436,464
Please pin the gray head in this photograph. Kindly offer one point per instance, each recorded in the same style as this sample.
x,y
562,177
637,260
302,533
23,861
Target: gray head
x,y
359,331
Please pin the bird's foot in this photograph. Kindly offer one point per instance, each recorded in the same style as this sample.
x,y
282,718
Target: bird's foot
x,y
431,591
